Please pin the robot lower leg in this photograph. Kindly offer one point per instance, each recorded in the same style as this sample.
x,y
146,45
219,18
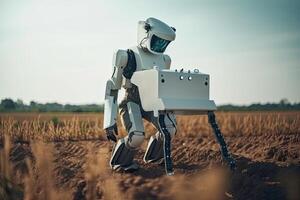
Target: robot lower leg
x,y
154,152
124,151
225,153
155,148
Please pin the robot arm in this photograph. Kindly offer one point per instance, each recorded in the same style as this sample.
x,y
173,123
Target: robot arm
x,y
113,86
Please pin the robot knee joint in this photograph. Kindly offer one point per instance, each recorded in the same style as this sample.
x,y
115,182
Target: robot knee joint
x,y
172,131
135,139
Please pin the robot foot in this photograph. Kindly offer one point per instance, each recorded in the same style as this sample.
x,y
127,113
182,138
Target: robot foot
x,y
128,168
122,158
154,152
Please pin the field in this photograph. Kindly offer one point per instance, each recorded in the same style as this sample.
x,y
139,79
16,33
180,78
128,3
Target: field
x,y
65,156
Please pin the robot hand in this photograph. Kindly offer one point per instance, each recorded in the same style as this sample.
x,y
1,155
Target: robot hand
x,y
111,132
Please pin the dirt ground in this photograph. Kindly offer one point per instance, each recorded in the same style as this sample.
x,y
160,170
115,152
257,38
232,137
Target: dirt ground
x,y
268,168
268,165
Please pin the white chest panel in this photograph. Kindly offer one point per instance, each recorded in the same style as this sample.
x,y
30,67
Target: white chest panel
x,y
146,60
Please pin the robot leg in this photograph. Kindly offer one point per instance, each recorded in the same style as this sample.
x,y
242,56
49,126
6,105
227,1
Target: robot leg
x,y
155,148
125,149
220,139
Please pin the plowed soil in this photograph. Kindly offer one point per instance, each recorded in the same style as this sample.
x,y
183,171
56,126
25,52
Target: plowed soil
x,y
268,168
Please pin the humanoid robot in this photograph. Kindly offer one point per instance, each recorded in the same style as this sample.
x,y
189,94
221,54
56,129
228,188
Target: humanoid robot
x,y
135,69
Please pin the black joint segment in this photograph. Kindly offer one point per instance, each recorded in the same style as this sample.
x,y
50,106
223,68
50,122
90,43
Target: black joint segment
x,y
211,117
130,68
224,151
167,144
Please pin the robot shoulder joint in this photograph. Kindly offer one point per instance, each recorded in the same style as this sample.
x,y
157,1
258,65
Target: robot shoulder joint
x,y
120,58
125,61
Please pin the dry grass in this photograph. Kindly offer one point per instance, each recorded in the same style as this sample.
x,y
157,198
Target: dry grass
x,y
63,127
244,123
9,188
211,184
41,129
39,183
97,172
52,129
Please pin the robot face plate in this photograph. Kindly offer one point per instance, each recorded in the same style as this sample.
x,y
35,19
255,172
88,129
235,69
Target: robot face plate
x,y
158,44
155,35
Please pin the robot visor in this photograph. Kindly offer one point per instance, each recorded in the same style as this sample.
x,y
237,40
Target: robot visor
x,y
158,44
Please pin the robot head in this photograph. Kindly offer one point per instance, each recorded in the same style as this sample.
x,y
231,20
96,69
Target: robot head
x,y
154,35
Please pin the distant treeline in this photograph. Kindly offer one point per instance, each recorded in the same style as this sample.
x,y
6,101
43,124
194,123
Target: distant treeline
x,y
283,105
9,105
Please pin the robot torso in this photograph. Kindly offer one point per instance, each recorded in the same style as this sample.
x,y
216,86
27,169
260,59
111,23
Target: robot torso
x,y
144,61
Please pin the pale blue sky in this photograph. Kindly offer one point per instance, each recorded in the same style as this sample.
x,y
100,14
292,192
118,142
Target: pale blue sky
x,y
55,50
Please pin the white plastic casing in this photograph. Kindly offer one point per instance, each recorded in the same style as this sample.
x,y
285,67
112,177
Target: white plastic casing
x,y
114,84
181,92
110,112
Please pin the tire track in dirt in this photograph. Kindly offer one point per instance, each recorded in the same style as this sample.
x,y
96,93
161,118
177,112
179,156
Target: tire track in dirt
x,y
279,149
71,162
69,159
18,156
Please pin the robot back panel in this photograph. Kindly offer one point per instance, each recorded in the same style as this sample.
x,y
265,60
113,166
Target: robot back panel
x,y
183,85
178,92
